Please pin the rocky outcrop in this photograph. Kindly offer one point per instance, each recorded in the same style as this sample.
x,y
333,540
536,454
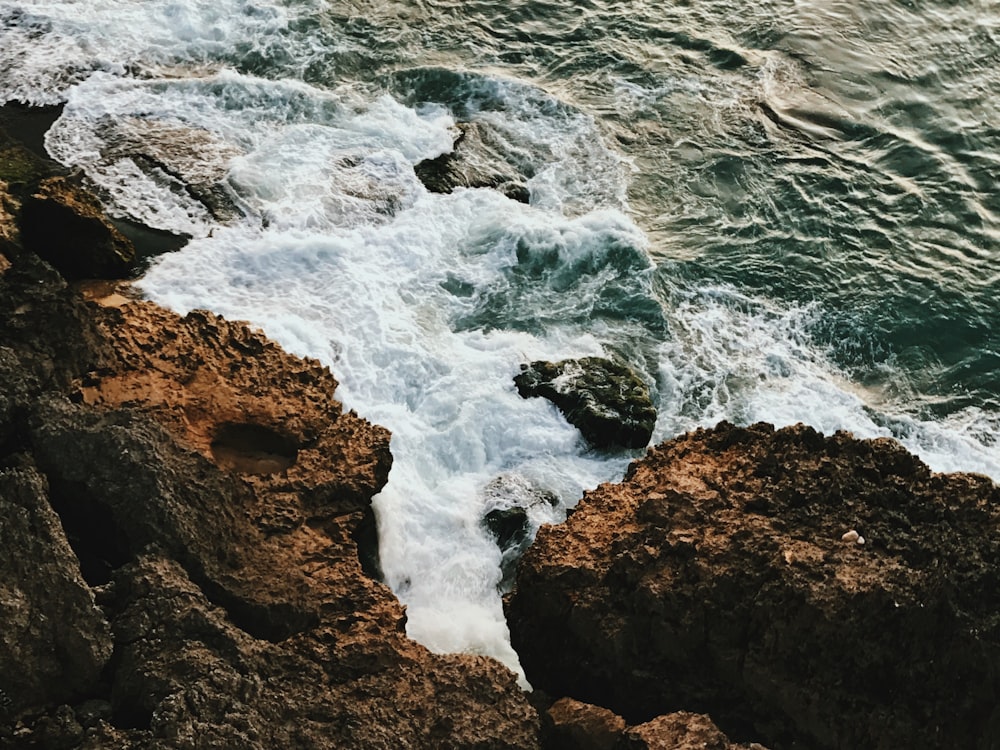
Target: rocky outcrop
x,y
476,161
804,590
573,725
66,226
54,641
186,504
681,730
605,400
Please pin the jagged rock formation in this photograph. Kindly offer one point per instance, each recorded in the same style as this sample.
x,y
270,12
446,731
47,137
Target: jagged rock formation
x,y
180,563
573,725
605,400
66,226
476,161
681,730
726,574
54,641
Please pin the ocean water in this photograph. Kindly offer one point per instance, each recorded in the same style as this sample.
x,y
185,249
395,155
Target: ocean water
x,y
781,210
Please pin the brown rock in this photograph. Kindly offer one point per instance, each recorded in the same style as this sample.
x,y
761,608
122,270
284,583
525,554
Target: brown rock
x,y
715,577
680,731
54,641
213,489
67,227
581,726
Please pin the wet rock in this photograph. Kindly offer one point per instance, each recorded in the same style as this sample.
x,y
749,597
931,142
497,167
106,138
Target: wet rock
x,y
191,162
509,526
20,167
715,577
67,227
513,500
680,731
605,400
581,726
9,232
212,492
54,641
476,161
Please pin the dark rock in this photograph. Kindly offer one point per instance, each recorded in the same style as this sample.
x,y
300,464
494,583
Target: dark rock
x,y
581,726
510,497
605,400
476,161
509,526
679,590
54,641
67,227
20,167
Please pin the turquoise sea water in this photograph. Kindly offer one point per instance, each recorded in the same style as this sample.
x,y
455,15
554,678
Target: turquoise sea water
x,y
780,210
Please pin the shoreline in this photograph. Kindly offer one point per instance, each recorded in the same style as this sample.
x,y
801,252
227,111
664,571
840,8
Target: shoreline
x,y
203,501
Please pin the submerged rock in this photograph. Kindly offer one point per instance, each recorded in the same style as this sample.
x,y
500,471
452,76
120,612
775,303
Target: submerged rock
x,y
512,500
67,227
605,400
716,577
476,161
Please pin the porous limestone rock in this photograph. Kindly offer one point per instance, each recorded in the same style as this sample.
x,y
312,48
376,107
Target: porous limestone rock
x,y
681,730
213,491
574,725
714,578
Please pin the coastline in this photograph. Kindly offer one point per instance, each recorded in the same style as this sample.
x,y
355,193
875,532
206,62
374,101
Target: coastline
x,y
235,606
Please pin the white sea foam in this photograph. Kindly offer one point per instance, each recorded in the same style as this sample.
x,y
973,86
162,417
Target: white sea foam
x,y
50,46
374,302
747,359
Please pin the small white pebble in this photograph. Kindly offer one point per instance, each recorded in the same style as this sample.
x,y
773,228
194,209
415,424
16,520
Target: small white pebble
x,y
852,536
861,540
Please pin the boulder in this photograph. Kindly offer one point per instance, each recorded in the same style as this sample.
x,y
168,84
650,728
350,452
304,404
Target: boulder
x,y
54,641
67,227
607,401
580,726
681,730
824,591
477,160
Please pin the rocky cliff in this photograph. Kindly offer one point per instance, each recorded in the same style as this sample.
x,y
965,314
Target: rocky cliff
x,y
187,542
188,558
807,591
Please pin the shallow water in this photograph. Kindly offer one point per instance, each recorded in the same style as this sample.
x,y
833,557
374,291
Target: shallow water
x,y
782,211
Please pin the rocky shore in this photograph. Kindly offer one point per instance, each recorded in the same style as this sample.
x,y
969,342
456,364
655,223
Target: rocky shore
x,y
189,560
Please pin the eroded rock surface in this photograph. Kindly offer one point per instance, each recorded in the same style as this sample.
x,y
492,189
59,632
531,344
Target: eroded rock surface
x,y
681,730
66,226
206,491
605,400
716,578
54,641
